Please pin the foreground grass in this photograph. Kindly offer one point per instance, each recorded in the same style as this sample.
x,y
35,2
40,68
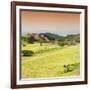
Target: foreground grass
x,y
50,63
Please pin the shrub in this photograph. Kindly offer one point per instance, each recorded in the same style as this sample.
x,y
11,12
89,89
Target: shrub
x,y
67,68
23,44
27,53
62,43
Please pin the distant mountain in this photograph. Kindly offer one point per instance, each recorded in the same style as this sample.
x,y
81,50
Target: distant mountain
x,y
37,37
52,36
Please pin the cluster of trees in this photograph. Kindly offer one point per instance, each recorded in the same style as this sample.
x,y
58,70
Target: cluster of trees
x,y
50,38
70,40
24,40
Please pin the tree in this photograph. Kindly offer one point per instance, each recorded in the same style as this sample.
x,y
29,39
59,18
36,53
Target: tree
x,y
24,40
62,43
41,39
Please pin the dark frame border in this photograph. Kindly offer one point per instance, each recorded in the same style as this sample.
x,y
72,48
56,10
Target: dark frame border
x,y
13,44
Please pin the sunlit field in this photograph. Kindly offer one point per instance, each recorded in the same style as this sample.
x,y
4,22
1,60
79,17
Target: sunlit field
x,y
50,60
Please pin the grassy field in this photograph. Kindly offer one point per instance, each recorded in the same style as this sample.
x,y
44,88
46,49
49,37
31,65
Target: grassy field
x,y
49,61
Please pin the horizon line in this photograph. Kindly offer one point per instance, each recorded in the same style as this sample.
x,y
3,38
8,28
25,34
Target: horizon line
x,y
52,33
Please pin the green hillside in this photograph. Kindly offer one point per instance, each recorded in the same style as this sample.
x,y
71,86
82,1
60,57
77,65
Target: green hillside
x,y
50,60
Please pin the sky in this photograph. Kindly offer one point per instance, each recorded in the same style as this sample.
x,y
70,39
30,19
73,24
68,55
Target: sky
x,y
53,22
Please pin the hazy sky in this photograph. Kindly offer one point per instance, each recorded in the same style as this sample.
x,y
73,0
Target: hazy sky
x,y
41,22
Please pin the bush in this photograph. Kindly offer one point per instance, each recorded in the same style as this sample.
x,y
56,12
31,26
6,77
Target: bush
x,y
67,68
27,53
23,44
62,43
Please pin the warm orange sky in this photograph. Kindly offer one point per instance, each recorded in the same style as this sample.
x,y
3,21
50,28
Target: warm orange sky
x,y
59,23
